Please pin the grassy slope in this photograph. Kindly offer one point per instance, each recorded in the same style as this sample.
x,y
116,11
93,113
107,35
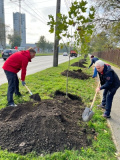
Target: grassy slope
x,y
47,82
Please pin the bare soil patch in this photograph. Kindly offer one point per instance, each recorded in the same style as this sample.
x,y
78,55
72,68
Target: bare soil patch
x,y
80,63
83,61
76,74
47,126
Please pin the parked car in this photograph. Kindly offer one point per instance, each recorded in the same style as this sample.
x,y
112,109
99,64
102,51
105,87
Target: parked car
x,y
8,52
73,53
65,54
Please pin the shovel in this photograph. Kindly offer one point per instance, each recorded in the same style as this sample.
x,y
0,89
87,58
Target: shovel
x,y
88,113
36,96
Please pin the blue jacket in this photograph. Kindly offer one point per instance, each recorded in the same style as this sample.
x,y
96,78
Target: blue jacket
x,y
93,60
109,79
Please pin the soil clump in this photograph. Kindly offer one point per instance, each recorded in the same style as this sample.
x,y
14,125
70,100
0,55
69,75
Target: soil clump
x,y
45,127
83,61
76,74
80,63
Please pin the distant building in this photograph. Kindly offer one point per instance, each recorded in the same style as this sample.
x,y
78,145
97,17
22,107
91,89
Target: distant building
x,y
19,26
2,26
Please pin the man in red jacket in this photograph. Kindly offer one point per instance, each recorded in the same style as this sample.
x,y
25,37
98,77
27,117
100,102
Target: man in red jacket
x,y
16,62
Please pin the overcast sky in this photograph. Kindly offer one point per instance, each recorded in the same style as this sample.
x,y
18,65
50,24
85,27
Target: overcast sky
x,y
36,12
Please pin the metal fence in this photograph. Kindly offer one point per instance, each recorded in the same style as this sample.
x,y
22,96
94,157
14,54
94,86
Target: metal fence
x,y
110,55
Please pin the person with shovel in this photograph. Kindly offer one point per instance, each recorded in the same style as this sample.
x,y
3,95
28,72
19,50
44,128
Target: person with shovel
x,y
93,60
110,83
16,62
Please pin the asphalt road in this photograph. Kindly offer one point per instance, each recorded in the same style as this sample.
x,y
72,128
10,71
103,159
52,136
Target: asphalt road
x,y
38,63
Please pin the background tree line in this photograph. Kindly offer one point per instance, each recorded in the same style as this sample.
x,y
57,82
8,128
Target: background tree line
x,y
49,46
106,34
45,45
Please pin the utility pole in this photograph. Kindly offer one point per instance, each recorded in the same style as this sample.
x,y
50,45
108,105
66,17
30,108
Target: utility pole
x,y
19,15
56,41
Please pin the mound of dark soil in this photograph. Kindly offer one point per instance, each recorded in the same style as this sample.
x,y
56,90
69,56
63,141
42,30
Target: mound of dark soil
x,y
79,64
76,74
71,96
83,61
46,126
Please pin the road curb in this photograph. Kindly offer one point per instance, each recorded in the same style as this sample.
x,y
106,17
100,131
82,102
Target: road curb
x,y
113,138
112,133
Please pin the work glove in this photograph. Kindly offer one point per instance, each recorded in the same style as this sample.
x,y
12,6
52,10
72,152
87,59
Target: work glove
x,y
23,83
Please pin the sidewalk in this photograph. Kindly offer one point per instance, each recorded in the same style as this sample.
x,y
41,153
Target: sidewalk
x,y
114,121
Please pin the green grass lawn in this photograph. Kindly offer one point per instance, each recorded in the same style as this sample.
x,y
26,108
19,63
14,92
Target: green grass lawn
x,y
46,83
44,54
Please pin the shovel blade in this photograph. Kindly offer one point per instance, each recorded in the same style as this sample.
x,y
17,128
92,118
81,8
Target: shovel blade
x,y
36,97
87,114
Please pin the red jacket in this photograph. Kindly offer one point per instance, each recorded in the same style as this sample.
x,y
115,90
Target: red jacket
x,y
18,61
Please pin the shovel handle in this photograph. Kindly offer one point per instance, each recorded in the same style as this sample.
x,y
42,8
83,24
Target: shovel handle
x,y
94,97
28,89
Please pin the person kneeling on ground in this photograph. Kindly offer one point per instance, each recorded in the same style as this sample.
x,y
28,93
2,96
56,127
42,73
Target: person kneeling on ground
x,y
110,83
93,60
16,62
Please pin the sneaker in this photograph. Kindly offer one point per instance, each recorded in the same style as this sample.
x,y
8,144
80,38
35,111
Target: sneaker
x,y
12,105
100,105
104,115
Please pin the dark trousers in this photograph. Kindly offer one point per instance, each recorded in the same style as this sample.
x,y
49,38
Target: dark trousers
x,y
107,100
95,73
13,86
